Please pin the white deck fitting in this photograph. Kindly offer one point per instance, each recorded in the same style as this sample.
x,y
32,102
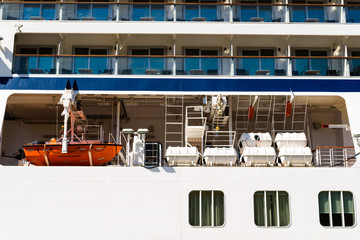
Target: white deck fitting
x,y
182,155
258,156
290,140
248,140
295,156
220,156
195,133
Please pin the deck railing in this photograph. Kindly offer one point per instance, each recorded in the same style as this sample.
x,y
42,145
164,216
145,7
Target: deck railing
x,y
334,156
180,11
186,65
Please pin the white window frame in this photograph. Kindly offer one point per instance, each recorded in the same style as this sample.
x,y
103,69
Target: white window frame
x,y
212,211
342,209
277,208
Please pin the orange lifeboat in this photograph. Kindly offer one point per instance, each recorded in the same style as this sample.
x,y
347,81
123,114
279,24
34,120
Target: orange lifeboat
x,y
73,150
78,154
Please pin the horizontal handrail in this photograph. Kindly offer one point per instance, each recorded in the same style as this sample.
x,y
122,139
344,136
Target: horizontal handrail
x,y
184,3
327,147
187,56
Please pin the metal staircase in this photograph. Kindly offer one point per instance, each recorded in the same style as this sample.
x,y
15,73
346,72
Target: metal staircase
x,y
174,121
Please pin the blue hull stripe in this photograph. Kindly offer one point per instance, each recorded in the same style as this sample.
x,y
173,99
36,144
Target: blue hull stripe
x,y
183,84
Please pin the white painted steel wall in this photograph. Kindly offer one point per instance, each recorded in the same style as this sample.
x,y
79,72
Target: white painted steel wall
x,y
198,28
138,203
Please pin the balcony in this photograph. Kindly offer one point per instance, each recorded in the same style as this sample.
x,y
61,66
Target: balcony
x,y
181,11
186,65
314,13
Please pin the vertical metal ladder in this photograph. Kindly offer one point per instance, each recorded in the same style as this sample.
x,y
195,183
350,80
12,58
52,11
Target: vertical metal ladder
x,y
174,121
299,115
263,113
279,114
242,117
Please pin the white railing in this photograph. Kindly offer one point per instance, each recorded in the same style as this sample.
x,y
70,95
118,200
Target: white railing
x,y
89,134
334,156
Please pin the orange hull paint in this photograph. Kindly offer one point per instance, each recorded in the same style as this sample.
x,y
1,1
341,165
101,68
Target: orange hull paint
x,y
77,155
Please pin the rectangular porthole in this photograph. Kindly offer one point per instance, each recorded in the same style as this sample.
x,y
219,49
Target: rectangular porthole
x,y
206,209
336,209
271,209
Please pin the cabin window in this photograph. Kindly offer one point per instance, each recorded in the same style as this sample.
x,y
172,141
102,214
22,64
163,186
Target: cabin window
x,y
209,64
254,66
336,209
91,60
307,13
352,12
355,64
203,10
206,209
315,64
250,11
147,65
40,60
271,209
148,11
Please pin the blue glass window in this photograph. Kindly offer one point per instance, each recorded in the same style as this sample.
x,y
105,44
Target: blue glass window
x,y
140,11
31,10
98,64
100,12
156,11
314,64
248,12
191,11
353,13
252,65
355,64
199,63
298,14
95,65
48,11
81,62
301,64
316,12
245,13
310,11
265,13
209,12
28,64
140,65
209,63
84,11
319,64
203,9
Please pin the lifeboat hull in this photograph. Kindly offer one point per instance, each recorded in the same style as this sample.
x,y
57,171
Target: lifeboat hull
x,y
77,154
